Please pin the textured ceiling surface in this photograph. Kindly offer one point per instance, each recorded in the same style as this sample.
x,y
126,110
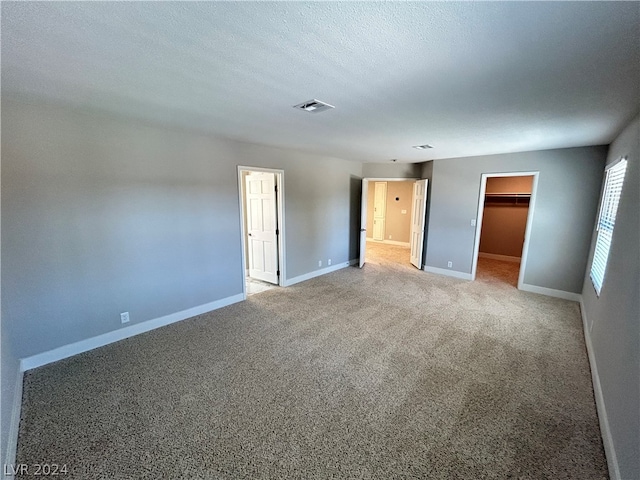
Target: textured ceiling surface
x,y
469,78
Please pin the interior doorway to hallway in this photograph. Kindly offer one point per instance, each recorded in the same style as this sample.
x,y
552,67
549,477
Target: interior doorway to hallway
x,y
392,221
262,223
505,211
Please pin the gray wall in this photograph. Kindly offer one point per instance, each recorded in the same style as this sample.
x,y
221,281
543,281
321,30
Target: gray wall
x,y
391,170
321,219
426,169
565,210
102,215
614,317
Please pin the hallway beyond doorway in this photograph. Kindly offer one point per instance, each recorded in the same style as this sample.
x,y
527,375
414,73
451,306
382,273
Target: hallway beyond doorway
x,y
388,254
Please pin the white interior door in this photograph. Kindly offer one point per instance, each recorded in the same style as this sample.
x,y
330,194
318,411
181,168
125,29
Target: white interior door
x,y
262,225
379,210
418,211
363,221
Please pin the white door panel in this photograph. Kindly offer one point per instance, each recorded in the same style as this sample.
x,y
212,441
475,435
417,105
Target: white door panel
x,y
378,228
418,211
379,210
363,222
261,226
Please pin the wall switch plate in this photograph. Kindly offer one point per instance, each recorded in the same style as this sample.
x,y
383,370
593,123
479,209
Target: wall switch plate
x,y
329,262
403,212
473,222
449,264
124,317
319,263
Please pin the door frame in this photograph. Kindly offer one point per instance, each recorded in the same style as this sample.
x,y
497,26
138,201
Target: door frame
x,y
527,231
279,215
363,209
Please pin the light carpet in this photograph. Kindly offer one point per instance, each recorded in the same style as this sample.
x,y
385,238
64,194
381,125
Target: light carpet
x,y
382,373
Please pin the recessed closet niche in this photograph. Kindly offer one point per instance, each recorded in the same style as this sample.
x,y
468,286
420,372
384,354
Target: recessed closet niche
x,y
506,206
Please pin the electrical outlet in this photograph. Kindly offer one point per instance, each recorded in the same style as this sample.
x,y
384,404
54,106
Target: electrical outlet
x,y
124,317
319,263
329,262
449,264
473,222
389,237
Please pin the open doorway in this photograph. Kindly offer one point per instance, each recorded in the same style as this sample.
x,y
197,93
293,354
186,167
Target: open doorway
x,y
262,225
505,211
393,214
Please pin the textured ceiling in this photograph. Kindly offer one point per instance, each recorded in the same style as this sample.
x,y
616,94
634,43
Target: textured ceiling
x,y
469,78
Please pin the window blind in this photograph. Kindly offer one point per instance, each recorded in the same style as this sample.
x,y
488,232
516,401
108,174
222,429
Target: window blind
x,y
606,221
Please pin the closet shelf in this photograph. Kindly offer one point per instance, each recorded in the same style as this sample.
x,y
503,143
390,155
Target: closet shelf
x,y
507,194
514,198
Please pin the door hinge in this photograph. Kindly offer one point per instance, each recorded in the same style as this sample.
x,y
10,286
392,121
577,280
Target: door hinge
x,y
276,188
277,231
278,273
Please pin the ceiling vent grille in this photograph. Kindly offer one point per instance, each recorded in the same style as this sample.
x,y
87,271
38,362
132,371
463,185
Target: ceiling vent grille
x,y
313,106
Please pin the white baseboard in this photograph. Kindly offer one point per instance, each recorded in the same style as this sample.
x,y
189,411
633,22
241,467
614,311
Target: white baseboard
x,y
605,431
389,242
495,256
550,292
101,340
316,273
14,426
448,273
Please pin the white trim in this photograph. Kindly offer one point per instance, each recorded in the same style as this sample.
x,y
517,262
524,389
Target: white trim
x,y
389,242
495,256
14,428
550,292
280,213
72,349
448,273
527,231
605,430
317,273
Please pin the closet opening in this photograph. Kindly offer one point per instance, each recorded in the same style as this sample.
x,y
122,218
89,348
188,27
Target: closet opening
x,y
504,216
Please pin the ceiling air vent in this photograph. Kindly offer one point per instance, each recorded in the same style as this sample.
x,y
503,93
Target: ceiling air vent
x,y
313,106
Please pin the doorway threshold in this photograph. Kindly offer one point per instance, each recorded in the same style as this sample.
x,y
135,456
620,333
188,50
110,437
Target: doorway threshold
x,y
257,286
